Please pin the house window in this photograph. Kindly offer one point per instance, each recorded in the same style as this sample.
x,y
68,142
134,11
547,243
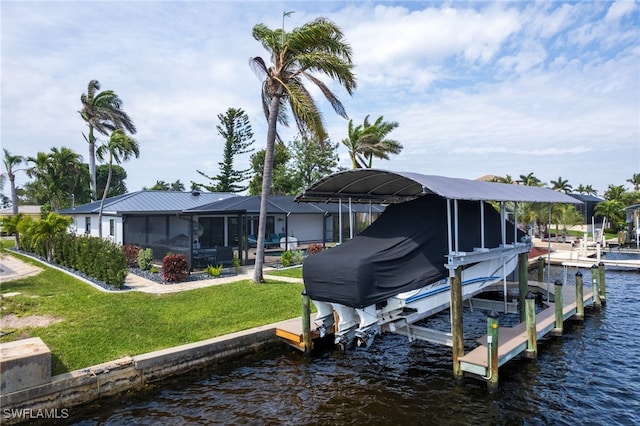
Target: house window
x,y
87,225
112,227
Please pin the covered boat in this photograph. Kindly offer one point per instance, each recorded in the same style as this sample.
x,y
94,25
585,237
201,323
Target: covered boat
x,y
403,250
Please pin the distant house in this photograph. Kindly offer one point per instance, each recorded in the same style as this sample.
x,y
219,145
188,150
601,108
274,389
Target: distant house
x,y
588,206
27,210
202,225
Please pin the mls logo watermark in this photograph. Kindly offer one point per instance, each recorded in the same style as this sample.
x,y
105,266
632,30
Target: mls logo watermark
x,y
28,413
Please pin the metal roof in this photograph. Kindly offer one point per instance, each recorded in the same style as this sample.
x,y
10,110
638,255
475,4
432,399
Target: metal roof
x,y
154,202
275,204
384,186
586,198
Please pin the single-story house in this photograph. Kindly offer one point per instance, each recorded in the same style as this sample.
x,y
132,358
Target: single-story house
x,y
213,227
27,210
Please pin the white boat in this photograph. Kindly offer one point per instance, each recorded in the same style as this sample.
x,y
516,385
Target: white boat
x,y
361,325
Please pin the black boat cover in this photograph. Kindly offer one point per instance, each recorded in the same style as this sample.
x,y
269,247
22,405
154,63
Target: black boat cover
x,y
403,250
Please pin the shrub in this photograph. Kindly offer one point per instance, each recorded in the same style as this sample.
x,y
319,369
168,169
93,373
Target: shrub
x,y
145,259
214,271
131,252
314,248
175,268
93,256
153,270
291,257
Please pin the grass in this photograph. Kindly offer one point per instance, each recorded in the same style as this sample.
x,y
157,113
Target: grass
x,y
98,327
289,272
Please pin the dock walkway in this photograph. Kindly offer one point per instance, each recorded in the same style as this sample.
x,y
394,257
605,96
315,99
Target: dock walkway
x,y
512,341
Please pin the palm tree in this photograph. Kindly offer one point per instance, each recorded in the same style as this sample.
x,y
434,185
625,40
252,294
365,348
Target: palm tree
x,y
529,180
102,111
45,230
369,140
613,210
120,147
561,185
586,190
10,226
352,142
318,47
635,181
10,162
615,193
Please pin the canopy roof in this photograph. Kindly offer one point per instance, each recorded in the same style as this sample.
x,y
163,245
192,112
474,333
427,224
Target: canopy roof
x,y
385,186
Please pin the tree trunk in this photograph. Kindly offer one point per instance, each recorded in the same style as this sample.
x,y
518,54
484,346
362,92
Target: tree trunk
x,y
92,163
266,185
14,195
104,195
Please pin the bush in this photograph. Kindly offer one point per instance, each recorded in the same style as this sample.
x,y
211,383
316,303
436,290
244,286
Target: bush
x,y
291,257
214,271
131,252
314,248
175,268
145,259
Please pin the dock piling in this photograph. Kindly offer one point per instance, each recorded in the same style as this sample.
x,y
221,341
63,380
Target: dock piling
x,y
557,301
532,336
595,280
492,351
457,331
523,267
579,297
306,323
540,269
603,286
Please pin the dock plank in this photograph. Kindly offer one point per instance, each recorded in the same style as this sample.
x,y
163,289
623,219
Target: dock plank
x,y
513,340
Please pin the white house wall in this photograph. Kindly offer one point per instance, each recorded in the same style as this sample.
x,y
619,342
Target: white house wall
x,y
306,227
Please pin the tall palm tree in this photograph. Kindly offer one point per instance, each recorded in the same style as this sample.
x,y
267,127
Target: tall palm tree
x,y
529,180
10,162
561,185
120,147
376,144
102,111
368,140
318,47
352,142
635,181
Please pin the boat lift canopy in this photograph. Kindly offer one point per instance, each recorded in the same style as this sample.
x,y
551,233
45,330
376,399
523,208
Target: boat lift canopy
x,y
386,187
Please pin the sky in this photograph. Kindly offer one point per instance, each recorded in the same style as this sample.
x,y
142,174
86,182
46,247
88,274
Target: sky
x,y
550,88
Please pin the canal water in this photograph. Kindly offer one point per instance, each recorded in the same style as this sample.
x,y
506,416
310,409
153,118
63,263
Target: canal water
x,y
589,376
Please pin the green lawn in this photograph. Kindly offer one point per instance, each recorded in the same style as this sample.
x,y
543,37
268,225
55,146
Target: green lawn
x,y
99,327
290,272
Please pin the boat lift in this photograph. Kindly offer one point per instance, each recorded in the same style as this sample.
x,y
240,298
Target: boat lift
x,y
385,187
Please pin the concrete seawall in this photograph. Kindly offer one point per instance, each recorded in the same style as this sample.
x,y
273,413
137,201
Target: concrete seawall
x,y
111,378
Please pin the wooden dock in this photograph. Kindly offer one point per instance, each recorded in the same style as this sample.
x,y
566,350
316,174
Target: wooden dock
x,y
290,332
512,341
